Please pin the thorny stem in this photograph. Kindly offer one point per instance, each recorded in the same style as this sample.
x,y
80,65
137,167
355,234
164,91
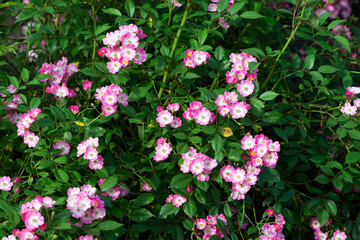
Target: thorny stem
x,y
176,40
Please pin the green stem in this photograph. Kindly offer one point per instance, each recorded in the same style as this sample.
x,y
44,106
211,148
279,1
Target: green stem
x,y
94,119
215,80
176,40
94,47
283,49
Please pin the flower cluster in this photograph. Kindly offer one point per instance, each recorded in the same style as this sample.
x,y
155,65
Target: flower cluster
x,y
88,148
5,183
24,124
228,103
342,31
198,164
109,97
212,7
201,114
337,8
85,205
64,146
262,153
208,225
176,199
32,218
86,237
195,58
239,69
59,75
114,192
12,115
319,235
163,150
123,47
166,117
273,231
349,109
176,3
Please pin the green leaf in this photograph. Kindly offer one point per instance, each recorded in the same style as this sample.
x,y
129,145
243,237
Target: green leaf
x,y
190,208
206,94
164,50
101,28
218,145
355,134
61,175
200,195
202,36
314,19
269,95
318,158
317,76
91,72
58,113
109,183
141,215
258,104
322,216
181,181
130,7
251,15
143,199
64,226
108,225
112,11
343,42
322,179
237,7
351,124
219,53
139,93
281,133
330,207
352,157
227,211
341,132
35,102
27,13
338,183
167,209
222,5
14,81
327,69
309,61
25,75
191,75
335,23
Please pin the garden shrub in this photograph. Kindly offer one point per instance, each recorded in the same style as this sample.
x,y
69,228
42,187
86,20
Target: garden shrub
x,y
179,119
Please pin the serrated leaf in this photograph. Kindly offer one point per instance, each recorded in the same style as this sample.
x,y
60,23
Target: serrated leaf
x,y
143,199
108,225
109,183
237,7
112,11
352,157
190,208
167,209
130,7
269,95
343,42
181,181
327,69
141,215
222,5
330,207
251,15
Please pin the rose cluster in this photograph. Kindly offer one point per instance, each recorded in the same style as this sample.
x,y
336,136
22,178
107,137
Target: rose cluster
x,y
208,225
166,117
163,150
88,148
349,109
12,115
201,114
24,124
85,205
109,97
114,192
229,103
123,47
319,235
195,58
239,70
176,199
273,231
262,153
198,164
59,73
32,218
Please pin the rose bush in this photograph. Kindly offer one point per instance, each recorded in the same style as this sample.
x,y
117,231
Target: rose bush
x,y
179,119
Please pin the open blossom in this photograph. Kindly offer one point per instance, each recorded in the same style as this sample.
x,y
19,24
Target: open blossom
x,y
146,187
64,146
163,150
74,109
164,118
338,235
348,109
87,85
5,183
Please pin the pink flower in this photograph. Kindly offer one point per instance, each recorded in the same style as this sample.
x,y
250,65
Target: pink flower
x,y
30,139
202,116
338,235
5,183
74,109
173,107
314,224
17,179
200,223
48,202
33,219
227,173
96,163
146,187
348,109
102,51
65,147
164,118
178,200
160,109
176,122
189,188
245,88
270,212
87,85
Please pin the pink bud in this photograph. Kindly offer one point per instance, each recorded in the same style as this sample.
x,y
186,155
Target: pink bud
x,y
17,179
159,109
17,190
349,94
189,188
102,51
